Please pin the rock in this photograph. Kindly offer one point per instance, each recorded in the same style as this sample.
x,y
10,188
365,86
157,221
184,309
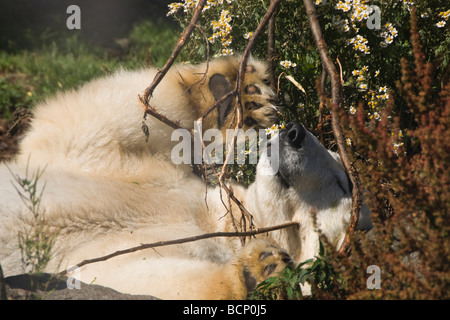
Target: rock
x,y
3,295
52,287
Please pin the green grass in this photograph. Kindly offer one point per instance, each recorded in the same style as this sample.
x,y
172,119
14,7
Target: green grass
x,y
27,77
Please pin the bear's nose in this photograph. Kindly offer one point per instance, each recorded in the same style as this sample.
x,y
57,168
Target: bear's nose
x,y
295,134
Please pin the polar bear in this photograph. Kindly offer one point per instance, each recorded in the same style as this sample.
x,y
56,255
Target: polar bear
x,y
105,188
95,215
98,128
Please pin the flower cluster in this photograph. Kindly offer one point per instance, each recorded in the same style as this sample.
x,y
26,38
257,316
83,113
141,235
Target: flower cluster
x,y
444,15
388,32
173,7
288,64
187,5
344,6
360,43
397,140
191,4
248,35
340,24
361,77
274,129
359,13
222,30
373,97
408,4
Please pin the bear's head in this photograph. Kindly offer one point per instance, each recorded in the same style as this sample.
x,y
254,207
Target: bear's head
x,y
300,170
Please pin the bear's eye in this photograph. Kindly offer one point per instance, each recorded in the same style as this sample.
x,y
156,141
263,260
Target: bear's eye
x,y
266,81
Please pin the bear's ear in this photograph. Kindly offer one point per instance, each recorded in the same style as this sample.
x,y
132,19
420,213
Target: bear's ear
x,y
219,87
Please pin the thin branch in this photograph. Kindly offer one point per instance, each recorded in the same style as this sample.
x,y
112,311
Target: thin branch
x,y
238,108
271,50
180,241
340,72
203,79
180,44
244,211
337,102
243,64
148,109
322,101
144,99
216,104
265,20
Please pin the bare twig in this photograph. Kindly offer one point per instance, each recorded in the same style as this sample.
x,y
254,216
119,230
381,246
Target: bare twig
x,y
20,115
243,64
203,78
337,102
144,99
148,109
322,100
238,107
271,51
340,72
180,44
267,16
180,241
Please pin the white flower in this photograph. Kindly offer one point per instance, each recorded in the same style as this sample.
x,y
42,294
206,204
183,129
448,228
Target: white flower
x,y
363,87
388,32
173,7
248,35
288,64
274,129
440,24
352,110
348,141
271,131
239,175
445,14
227,52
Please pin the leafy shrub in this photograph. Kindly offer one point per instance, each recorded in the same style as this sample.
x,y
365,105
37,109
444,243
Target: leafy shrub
x,y
396,121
